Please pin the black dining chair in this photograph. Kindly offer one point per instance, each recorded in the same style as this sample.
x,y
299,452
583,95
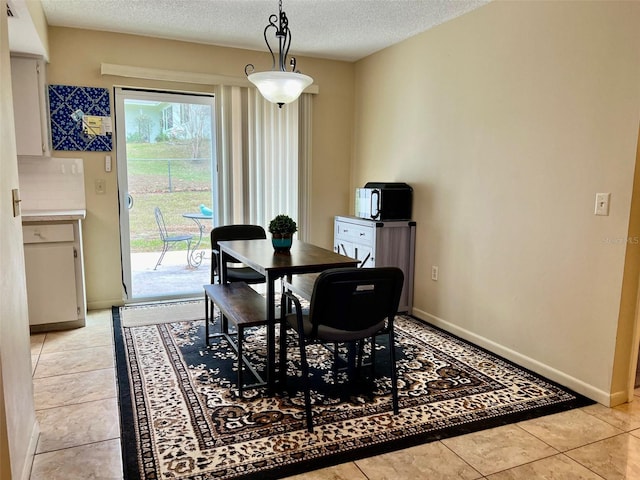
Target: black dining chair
x,y
235,272
235,232
167,239
348,305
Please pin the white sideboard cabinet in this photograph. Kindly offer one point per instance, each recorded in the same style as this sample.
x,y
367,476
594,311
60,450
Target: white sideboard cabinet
x,y
30,106
379,244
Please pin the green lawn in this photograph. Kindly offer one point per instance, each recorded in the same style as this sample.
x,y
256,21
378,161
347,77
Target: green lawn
x,y
163,175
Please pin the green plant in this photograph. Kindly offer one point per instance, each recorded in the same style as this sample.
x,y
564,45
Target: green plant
x,y
282,225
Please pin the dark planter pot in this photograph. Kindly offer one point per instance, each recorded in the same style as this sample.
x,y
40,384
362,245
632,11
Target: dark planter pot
x,y
281,243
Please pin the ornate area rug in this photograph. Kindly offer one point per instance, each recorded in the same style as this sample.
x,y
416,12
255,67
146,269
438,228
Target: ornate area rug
x,y
181,416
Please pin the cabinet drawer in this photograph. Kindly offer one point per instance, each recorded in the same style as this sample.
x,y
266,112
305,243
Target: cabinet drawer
x,y
47,233
350,231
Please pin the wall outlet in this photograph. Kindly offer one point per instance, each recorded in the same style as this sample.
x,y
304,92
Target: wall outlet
x,y
434,273
602,203
101,186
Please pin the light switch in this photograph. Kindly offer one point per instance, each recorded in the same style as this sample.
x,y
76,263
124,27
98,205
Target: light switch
x,y
602,203
107,163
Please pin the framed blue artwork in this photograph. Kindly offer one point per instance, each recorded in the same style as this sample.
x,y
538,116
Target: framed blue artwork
x,y
80,118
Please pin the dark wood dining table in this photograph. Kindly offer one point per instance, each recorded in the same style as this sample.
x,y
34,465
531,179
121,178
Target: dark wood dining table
x,y
259,255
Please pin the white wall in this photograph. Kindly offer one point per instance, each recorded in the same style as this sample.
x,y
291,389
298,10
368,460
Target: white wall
x,y
506,122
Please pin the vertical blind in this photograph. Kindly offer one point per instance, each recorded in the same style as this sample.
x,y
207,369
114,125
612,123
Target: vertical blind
x,y
263,158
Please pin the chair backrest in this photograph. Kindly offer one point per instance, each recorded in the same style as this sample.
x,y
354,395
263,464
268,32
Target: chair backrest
x,y
161,225
232,232
236,232
355,299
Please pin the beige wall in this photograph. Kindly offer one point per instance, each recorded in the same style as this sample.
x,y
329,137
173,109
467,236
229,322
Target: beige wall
x,y
18,427
75,59
506,122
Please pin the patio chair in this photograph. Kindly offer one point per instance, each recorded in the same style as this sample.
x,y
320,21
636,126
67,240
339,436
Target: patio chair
x,y
348,305
168,240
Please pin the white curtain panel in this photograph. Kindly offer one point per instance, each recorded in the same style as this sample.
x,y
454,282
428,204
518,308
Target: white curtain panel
x,y
264,156
305,144
272,143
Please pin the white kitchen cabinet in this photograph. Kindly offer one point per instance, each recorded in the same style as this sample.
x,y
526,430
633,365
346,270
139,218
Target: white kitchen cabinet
x,y
55,275
30,106
379,244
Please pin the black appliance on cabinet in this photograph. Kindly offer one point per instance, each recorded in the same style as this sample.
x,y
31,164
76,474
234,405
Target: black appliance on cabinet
x,y
384,201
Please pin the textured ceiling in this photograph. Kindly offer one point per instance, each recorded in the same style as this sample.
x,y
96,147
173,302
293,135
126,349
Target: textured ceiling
x,y
336,29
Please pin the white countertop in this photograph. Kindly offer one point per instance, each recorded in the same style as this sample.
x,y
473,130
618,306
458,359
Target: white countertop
x,y
52,215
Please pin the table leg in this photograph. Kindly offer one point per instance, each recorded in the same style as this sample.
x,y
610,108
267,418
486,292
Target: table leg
x,y
271,337
194,258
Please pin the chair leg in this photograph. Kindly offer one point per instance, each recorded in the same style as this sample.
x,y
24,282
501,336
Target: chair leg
x,y
305,382
394,374
165,247
351,361
282,363
336,360
373,356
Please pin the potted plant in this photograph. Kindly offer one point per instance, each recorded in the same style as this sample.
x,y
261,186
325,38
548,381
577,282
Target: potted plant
x,y
282,228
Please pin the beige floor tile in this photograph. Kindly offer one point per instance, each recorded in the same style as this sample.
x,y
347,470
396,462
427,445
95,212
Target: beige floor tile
x,y
34,363
100,460
431,460
74,388
75,425
557,467
497,449
89,336
625,417
571,429
346,471
37,340
635,433
74,361
99,317
615,458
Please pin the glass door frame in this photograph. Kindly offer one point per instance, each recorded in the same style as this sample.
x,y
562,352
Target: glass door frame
x,y
120,95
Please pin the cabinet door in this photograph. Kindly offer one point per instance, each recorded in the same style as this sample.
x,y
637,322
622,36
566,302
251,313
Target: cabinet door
x,y
364,253
51,282
29,106
343,247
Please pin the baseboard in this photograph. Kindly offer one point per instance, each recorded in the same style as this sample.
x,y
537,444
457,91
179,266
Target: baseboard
x,y
103,304
31,452
589,391
618,398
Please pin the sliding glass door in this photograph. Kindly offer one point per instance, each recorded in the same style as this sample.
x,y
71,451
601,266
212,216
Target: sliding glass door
x,y
167,186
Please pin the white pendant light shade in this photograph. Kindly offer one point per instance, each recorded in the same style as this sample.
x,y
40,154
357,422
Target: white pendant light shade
x,y
280,87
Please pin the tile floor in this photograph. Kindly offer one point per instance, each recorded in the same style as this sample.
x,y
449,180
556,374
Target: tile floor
x,y
75,396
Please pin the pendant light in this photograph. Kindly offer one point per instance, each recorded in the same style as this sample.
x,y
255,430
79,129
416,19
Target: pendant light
x,y
279,85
